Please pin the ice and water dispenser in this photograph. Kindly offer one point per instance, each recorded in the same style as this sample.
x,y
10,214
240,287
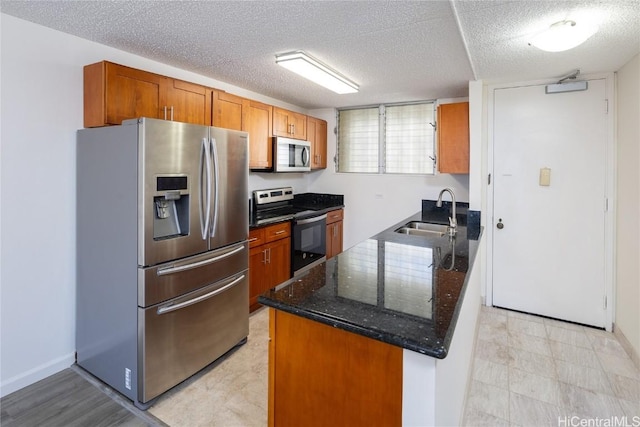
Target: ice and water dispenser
x,y
171,207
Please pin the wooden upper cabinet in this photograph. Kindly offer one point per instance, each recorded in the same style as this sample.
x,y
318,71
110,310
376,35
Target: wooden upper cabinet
x,y
317,136
257,121
186,102
227,110
453,138
113,93
290,124
255,118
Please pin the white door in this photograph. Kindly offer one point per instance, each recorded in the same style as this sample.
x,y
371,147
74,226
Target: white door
x,y
549,240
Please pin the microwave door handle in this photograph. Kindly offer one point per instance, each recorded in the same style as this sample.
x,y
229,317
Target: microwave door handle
x,y
304,156
216,180
205,188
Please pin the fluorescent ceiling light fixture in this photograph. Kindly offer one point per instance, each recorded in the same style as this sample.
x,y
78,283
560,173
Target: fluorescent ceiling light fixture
x,y
314,70
563,35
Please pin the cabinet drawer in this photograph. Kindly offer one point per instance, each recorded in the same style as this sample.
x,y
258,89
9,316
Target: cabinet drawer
x,y
256,237
335,216
277,231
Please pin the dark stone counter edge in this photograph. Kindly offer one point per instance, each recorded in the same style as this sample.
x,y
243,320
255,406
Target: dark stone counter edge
x,y
437,351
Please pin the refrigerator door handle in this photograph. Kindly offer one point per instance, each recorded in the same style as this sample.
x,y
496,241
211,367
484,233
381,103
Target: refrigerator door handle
x,y
179,268
173,307
216,180
205,170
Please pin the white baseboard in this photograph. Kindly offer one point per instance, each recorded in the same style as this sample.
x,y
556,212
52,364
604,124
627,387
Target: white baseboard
x,y
633,354
36,374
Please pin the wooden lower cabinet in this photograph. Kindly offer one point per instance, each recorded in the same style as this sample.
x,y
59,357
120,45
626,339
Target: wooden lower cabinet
x,y
334,232
269,259
324,376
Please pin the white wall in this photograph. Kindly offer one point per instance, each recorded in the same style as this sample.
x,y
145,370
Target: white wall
x,y
41,109
375,202
627,317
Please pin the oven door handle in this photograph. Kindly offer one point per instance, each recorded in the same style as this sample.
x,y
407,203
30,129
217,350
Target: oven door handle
x,y
314,219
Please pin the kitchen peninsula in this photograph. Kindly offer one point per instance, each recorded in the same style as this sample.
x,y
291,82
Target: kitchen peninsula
x,y
381,334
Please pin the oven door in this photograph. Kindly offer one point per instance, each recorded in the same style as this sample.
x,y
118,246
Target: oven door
x,y
309,242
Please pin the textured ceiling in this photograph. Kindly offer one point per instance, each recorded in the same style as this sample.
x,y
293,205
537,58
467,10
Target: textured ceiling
x,y
395,50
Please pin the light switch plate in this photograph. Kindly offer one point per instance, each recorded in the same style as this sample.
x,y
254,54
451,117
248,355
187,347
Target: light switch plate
x,y
545,177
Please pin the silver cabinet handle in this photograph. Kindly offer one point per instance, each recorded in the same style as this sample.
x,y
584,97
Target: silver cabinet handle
x,y
253,239
280,232
179,268
174,307
172,113
165,112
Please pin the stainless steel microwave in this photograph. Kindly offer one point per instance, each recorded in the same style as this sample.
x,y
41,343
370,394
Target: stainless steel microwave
x,y
291,155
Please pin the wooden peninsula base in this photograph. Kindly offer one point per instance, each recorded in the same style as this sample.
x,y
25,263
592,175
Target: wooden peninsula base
x,y
324,376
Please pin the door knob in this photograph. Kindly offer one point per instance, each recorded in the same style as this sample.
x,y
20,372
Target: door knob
x,y
500,225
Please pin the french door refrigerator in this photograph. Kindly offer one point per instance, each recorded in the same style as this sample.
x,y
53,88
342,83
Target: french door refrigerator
x,y
162,252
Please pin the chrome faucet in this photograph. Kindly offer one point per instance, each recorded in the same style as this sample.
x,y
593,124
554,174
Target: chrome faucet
x,y
453,223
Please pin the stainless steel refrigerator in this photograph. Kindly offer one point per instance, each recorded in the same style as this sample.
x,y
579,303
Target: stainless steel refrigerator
x,y
162,252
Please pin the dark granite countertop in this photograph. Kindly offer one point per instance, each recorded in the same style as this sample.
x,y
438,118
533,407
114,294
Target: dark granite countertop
x,y
400,289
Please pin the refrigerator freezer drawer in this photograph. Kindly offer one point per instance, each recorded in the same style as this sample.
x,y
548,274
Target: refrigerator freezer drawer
x,y
169,280
182,336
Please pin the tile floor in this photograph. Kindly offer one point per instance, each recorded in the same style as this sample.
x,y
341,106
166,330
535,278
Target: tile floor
x,y
232,392
528,371
532,371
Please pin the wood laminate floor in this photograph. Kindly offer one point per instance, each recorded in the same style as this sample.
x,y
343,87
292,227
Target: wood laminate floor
x,y
70,398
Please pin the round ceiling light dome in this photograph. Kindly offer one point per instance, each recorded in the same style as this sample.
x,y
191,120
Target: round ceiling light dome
x,y
563,35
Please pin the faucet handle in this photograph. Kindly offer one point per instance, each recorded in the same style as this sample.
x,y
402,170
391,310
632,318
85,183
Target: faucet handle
x,y
453,222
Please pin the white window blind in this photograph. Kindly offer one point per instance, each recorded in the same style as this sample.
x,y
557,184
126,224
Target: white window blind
x,y
358,133
396,139
409,139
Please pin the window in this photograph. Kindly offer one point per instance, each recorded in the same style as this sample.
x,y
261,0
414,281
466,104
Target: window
x,y
392,138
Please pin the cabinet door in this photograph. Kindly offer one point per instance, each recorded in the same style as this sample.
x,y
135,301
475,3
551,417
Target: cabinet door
x,y
227,110
257,121
114,93
334,239
289,124
257,275
279,262
453,138
280,122
317,136
187,102
298,124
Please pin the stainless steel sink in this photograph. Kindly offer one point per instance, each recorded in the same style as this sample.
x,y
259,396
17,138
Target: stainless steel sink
x,y
418,228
